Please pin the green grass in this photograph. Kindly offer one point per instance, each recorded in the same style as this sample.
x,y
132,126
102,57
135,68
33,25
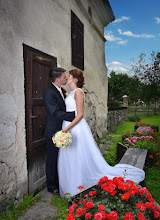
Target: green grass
x,y
61,206
14,211
152,182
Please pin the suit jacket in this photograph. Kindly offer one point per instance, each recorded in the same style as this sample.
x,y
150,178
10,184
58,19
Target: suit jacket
x,y
56,111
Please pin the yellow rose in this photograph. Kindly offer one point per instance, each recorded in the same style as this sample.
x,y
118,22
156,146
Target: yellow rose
x,y
61,141
63,135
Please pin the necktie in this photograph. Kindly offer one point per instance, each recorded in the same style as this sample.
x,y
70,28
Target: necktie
x,y
61,93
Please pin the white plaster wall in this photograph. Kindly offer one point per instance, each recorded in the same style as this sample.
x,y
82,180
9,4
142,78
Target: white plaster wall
x,y
44,25
95,71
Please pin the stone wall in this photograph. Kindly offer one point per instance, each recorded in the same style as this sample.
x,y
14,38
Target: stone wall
x,y
115,118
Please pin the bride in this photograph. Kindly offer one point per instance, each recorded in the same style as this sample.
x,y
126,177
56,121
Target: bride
x,y
82,162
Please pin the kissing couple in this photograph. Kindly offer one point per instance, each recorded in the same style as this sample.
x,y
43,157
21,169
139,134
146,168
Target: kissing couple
x,y
82,162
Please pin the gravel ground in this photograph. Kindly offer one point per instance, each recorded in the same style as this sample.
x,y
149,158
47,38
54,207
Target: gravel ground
x,y
42,210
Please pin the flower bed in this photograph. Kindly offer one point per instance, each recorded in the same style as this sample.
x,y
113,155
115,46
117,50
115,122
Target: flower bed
x,y
144,139
115,199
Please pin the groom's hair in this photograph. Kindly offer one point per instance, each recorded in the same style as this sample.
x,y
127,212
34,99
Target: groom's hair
x,y
56,72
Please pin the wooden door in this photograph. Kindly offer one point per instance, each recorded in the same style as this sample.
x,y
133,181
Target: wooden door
x,y
36,71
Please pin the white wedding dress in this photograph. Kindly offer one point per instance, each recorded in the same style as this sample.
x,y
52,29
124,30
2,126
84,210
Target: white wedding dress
x,y
82,162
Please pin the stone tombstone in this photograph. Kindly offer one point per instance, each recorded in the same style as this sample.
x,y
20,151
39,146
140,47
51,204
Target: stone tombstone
x,y
144,129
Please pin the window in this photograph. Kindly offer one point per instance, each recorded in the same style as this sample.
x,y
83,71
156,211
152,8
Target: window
x,y
77,38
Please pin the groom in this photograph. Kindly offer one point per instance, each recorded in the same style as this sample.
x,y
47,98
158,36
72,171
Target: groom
x,y
56,113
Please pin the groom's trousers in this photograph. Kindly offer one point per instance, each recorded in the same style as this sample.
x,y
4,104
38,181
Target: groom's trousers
x,y
51,166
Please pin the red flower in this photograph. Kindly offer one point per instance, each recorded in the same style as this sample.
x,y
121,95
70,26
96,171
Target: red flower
x,y
141,216
112,215
156,214
143,190
80,187
101,207
157,163
116,181
133,190
121,178
141,206
130,181
108,187
128,216
113,193
84,201
151,156
125,187
70,216
64,194
88,205
149,196
92,193
125,196
158,154
88,215
103,215
71,209
98,216
103,179
80,211
80,202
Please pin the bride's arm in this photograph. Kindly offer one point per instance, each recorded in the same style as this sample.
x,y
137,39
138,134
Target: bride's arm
x,y
79,98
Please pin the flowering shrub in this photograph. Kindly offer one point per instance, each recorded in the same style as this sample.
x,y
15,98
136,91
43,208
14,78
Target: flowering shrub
x,y
141,123
114,200
142,139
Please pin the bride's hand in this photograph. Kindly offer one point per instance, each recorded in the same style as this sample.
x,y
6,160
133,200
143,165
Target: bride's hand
x,y
65,129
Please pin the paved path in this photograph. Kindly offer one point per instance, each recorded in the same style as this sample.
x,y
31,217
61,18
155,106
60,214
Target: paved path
x,y
42,210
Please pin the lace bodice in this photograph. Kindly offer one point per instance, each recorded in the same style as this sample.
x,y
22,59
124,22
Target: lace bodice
x,y
70,101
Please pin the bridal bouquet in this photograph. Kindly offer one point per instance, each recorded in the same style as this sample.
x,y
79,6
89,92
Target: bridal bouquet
x,y
115,200
62,139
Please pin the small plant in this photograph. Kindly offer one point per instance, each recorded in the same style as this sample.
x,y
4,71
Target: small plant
x,y
61,205
13,211
114,200
155,158
134,118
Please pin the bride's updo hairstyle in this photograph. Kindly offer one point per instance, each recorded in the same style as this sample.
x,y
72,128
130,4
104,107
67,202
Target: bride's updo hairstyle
x,y
78,74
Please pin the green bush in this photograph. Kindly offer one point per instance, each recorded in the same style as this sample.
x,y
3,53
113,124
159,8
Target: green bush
x,y
134,118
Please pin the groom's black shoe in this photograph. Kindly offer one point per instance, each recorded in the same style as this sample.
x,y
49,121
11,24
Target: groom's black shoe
x,y
54,191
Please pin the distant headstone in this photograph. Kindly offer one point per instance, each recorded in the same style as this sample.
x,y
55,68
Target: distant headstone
x,y
144,128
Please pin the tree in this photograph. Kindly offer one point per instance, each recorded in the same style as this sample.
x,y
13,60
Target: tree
x,y
121,84
149,75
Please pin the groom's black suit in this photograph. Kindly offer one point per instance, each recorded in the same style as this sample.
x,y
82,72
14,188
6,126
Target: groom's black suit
x,y
56,113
